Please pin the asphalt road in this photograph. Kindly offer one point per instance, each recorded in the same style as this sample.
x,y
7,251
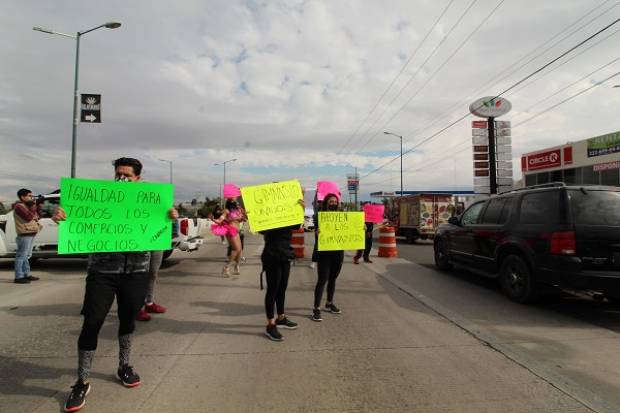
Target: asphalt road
x,y
397,347
573,339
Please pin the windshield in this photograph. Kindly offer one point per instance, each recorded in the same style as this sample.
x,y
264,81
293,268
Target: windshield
x,y
591,207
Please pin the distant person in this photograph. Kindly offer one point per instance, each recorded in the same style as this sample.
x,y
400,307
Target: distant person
x,y
227,224
368,228
329,264
26,215
276,259
150,306
110,275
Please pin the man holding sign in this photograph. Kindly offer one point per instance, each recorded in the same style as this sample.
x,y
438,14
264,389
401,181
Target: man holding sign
x,y
92,224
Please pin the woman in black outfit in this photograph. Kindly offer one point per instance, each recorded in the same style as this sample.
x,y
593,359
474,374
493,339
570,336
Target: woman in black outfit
x,y
329,264
276,259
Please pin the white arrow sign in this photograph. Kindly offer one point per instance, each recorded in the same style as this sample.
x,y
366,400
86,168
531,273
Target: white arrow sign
x,y
91,118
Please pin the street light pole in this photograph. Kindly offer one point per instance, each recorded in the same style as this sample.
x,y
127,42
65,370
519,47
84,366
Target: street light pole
x,y
401,160
170,162
224,179
75,115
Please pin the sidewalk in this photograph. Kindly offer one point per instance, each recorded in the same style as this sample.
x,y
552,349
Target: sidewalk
x,y
387,352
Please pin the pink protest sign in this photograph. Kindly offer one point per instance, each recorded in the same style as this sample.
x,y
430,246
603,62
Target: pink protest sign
x,y
231,191
374,213
327,187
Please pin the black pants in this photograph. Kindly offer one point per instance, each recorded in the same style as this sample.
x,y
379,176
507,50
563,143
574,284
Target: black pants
x,y
366,250
277,274
329,265
130,291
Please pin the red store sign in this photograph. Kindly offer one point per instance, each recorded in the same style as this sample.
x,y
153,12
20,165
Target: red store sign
x,y
547,159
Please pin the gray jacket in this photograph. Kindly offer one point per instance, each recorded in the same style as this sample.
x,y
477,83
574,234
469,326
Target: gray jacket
x,y
119,262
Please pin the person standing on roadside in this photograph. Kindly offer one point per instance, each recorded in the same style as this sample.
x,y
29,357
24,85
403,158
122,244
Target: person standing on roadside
x,y
26,215
227,224
329,264
368,228
276,259
111,274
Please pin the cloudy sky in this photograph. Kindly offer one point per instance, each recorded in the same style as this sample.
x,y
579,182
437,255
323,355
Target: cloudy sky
x,y
296,88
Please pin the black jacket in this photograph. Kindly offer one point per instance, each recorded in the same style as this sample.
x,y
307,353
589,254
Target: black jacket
x,y
278,245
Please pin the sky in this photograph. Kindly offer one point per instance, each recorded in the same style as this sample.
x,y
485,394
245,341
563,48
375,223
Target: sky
x,y
296,89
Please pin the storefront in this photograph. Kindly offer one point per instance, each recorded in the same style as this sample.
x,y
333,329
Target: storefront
x,y
593,161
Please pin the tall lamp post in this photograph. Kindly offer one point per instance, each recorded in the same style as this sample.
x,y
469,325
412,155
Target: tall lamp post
x,y
224,179
401,159
170,162
75,117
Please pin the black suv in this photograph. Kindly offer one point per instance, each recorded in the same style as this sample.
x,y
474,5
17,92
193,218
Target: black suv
x,y
565,236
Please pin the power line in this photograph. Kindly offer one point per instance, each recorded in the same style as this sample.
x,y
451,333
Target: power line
x,y
570,85
567,99
498,95
402,89
445,62
510,69
430,31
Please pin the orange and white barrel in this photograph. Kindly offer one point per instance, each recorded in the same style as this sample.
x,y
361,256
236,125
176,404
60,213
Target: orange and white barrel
x,y
297,242
387,242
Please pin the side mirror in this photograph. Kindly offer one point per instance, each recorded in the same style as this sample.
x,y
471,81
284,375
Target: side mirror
x,y
454,221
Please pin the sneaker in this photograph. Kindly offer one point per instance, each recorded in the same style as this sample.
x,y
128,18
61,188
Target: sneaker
x,y
155,308
331,307
286,323
236,270
128,377
33,278
316,315
21,281
143,315
369,261
77,398
226,271
272,333
312,265
356,260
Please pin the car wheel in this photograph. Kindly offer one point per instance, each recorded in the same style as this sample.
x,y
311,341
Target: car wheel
x,y
441,258
167,254
516,279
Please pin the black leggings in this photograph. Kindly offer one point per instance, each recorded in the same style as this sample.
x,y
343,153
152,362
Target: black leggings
x,y
277,280
130,291
329,265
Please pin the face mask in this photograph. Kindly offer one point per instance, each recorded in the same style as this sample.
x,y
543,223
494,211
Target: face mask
x,y
332,207
121,178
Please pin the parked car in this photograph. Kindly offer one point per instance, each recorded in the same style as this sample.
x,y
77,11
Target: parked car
x,y
185,235
554,234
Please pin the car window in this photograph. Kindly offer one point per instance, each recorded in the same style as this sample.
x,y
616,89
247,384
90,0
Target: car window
x,y
48,208
471,215
505,215
493,211
595,207
540,208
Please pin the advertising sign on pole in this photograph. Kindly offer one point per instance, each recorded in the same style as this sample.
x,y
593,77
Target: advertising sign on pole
x,y
90,108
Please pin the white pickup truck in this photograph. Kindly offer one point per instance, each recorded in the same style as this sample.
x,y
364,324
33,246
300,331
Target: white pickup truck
x,y
185,235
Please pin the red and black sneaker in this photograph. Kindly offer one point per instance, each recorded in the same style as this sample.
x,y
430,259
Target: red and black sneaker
x,y
77,398
128,377
155,308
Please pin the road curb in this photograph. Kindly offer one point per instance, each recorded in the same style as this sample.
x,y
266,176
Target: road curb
x,y
562,383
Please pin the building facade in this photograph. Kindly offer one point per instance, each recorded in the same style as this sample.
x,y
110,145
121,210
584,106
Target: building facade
x,y
593,161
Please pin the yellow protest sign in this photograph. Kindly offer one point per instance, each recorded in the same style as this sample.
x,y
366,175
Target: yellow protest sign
x,y
341,231
273,205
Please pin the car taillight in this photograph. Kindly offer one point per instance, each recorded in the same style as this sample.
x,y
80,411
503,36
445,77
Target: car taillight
x,y
563,243
184,227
